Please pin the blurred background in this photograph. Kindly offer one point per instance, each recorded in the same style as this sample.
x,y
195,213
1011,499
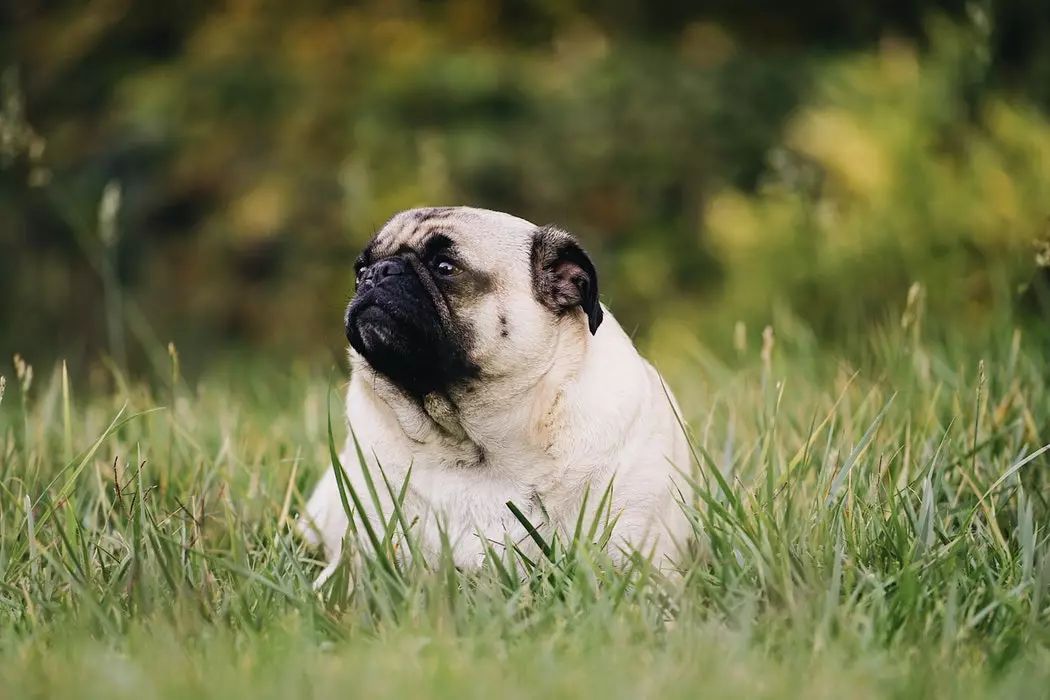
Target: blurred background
x,y
205,172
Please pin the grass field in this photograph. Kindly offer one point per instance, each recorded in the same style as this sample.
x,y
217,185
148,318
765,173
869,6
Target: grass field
x,y
871,523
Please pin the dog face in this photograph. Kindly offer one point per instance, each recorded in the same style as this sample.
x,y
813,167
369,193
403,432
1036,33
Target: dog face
x,y
449,297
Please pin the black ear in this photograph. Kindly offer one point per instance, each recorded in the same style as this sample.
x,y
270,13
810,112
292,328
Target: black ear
x,y
563,276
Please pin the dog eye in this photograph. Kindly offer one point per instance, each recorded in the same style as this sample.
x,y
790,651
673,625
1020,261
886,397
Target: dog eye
x,y
445,267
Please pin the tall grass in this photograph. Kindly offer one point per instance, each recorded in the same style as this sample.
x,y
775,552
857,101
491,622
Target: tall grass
x,y
872,524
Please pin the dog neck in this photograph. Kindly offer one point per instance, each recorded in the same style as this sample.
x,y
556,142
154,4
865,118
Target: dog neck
x,y
516,419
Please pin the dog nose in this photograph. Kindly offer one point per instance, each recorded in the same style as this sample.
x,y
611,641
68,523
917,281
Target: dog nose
x,y
387,267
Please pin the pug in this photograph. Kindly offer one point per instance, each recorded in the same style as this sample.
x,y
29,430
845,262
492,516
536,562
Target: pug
x,y
485,372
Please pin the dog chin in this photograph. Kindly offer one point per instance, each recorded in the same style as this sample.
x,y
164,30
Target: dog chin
x,y
373,330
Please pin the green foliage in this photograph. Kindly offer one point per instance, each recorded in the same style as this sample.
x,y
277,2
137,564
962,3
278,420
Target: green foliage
x,y
884,179
712,173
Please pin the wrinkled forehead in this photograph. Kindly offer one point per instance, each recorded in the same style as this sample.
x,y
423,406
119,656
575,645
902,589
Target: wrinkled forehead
x,y
479,234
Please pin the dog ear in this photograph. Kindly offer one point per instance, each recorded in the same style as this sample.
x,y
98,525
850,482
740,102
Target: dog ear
x,y
563,276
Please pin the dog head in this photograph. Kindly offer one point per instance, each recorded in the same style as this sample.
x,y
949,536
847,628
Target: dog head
x,y
451,296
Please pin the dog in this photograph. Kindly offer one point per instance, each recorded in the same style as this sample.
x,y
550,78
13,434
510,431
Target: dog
x,y
486,372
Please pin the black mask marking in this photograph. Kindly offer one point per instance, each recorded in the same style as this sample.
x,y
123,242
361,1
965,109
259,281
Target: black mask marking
x,y
400,322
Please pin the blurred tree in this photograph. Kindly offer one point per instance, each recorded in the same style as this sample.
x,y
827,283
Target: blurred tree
x,y
258,144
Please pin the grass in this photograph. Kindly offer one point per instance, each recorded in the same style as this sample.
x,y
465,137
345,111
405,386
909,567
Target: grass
x,y
873,527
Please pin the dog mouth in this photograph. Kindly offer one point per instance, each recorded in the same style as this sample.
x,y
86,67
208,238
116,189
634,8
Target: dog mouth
x,y
375,322
372,327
